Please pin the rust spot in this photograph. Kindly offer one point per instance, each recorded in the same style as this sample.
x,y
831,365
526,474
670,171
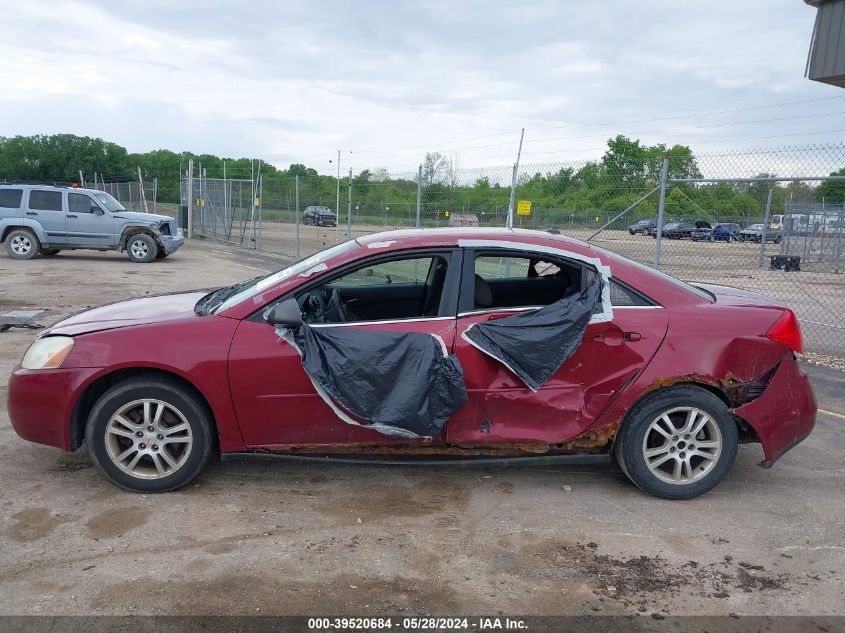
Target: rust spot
x,y
593,440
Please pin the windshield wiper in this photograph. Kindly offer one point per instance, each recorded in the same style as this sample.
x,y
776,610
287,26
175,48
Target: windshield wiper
x,y
213,299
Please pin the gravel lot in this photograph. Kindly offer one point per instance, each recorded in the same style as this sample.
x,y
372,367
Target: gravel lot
x,y
300,538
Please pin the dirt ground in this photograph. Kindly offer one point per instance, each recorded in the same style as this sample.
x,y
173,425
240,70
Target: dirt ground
x,y
305,538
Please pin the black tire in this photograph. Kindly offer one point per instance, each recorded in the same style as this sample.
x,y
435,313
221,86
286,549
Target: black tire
x,y
49,251
778,239
637,435
22,244
631,232
160,388
141,248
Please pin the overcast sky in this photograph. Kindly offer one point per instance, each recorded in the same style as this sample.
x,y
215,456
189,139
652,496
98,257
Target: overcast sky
x,y
387,81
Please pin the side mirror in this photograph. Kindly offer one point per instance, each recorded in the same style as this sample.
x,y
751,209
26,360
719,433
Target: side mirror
x,y
286,314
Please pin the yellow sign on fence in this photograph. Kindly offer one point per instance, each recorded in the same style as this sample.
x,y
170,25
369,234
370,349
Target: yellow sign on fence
x,y
523,207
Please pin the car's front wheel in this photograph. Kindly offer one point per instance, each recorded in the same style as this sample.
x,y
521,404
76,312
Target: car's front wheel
x,y
149,434
677,443
141,248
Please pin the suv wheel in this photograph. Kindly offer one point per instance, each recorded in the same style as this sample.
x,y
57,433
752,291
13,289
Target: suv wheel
x,y
149,434
22,244
141,248
678,443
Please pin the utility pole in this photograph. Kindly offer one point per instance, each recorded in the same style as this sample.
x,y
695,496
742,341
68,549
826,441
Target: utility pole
x,y
349,209
419,193
81,179
337,204
297,216
509,222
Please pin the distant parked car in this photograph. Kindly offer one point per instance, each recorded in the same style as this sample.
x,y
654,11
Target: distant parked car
x,y
319,216
701,235
43,219
725,232
754,233
676,230
643,226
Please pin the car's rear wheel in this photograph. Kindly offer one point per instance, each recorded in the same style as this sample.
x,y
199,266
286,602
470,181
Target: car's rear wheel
x,y
22,244
678,443
141,248
149,434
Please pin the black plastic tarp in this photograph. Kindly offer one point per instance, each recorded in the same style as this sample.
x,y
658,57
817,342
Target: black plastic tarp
x,y
534,344
402,384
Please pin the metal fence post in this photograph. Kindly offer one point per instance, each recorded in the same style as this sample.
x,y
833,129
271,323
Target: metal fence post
x,y
190,196
349,209
509,220
296,186
661,209
765,228
419,193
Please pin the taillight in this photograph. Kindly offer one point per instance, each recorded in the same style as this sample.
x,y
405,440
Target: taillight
x,y
787,332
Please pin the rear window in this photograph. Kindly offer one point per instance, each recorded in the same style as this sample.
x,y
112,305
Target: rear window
x,y
45,200
11,198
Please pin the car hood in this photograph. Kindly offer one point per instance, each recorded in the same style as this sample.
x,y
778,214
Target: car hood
x,y
142,217
144,311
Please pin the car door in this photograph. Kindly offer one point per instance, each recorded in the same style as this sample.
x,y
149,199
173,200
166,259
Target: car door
x,y
88,224
500,407
46,207
274,399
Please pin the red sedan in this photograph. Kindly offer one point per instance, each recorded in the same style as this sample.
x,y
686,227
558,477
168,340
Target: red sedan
x,y
664,376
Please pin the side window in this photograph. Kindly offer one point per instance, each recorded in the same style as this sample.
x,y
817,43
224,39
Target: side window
x,y
622,296
512,281
403,271
11,198
489,267
79,203
388,290
45,200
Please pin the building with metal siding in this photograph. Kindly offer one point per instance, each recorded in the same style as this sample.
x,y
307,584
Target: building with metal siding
x,y
826,61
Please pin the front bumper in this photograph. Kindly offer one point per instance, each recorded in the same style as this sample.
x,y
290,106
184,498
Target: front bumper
x,y
784,414
40,403
170,243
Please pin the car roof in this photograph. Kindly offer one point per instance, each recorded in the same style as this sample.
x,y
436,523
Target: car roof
x,y
450,236
11,185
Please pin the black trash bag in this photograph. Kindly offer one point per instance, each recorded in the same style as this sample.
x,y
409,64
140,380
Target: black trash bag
x,y
534,344
399,383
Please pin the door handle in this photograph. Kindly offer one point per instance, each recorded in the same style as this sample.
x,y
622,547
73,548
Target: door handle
x,y
632,336
71,215
32,213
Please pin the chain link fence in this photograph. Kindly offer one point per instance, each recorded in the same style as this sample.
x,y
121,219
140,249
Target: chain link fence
x,y
133,195
715,218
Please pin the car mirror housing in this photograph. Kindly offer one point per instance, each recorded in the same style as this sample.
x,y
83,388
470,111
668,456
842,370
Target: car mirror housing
x,y
286,314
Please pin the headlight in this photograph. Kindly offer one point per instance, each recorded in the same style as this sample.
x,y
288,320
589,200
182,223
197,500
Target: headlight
x,y
47,353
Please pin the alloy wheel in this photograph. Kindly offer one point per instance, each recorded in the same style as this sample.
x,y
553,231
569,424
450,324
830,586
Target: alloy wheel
x,y
21,244
139,249
148,439
682,445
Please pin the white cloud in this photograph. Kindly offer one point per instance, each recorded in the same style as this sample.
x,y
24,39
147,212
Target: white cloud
x,y
292,82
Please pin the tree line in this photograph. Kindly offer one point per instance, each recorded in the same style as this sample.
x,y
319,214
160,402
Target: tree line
x,y
627,170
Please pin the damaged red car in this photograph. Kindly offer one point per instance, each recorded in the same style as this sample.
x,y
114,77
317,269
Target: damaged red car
x,y
442,344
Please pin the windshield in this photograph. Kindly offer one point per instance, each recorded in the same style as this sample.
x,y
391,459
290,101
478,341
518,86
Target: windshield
x,y
685,285
108,202
242,292
756,227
